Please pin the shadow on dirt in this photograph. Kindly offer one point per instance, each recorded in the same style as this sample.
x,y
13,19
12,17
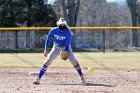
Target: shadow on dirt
x,y
91,84
104,85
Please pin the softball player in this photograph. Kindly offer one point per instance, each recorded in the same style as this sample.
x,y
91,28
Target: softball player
x,y
62,37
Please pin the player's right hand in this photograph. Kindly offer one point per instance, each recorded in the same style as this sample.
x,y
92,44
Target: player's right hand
x,y
45,53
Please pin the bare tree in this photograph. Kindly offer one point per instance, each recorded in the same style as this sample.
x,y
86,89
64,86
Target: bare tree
x,y
101,13
132,6
70,12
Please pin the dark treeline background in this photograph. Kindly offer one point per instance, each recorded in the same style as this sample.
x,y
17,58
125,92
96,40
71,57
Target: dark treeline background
x,y
25,13
38,13
17,13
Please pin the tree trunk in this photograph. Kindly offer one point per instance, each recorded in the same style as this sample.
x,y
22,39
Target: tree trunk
x,y
132,7
70,12
28,23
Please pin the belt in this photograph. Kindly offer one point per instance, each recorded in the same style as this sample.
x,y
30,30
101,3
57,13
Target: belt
x,y
60,46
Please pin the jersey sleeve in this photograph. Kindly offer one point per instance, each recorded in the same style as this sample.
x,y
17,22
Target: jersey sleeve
x,y
68,40
49,36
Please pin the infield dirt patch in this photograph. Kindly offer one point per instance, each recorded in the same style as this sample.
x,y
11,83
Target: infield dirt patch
x,y
58,80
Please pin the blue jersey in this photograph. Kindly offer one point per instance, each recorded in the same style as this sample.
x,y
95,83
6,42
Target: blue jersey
x,y
61,39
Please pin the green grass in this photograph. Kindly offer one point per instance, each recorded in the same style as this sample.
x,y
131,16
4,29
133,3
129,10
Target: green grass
x,y
114,60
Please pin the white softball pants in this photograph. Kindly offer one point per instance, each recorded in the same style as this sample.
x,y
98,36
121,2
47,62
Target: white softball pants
x,y
56,52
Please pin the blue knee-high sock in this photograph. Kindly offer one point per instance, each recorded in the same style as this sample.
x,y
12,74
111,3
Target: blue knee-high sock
x,y
77,67
42,71
79,72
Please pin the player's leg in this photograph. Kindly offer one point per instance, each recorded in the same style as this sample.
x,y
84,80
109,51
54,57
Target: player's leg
x,y
76,65
78,68
52,55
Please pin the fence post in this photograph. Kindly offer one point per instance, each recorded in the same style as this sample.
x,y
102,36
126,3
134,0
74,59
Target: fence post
x,y
104,41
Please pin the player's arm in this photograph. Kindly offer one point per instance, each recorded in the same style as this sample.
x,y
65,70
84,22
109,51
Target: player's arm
x,y
67,43
65,53
49,36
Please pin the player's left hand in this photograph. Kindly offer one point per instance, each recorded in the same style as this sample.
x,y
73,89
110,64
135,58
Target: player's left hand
x,y
45,53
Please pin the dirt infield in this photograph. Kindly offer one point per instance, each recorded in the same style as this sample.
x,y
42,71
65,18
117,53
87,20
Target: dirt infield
x,y
58,80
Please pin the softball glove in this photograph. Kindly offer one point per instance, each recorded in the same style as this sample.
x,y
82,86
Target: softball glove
x,y
64,55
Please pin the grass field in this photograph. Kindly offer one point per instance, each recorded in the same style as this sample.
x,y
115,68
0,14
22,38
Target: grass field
x,y
114,60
